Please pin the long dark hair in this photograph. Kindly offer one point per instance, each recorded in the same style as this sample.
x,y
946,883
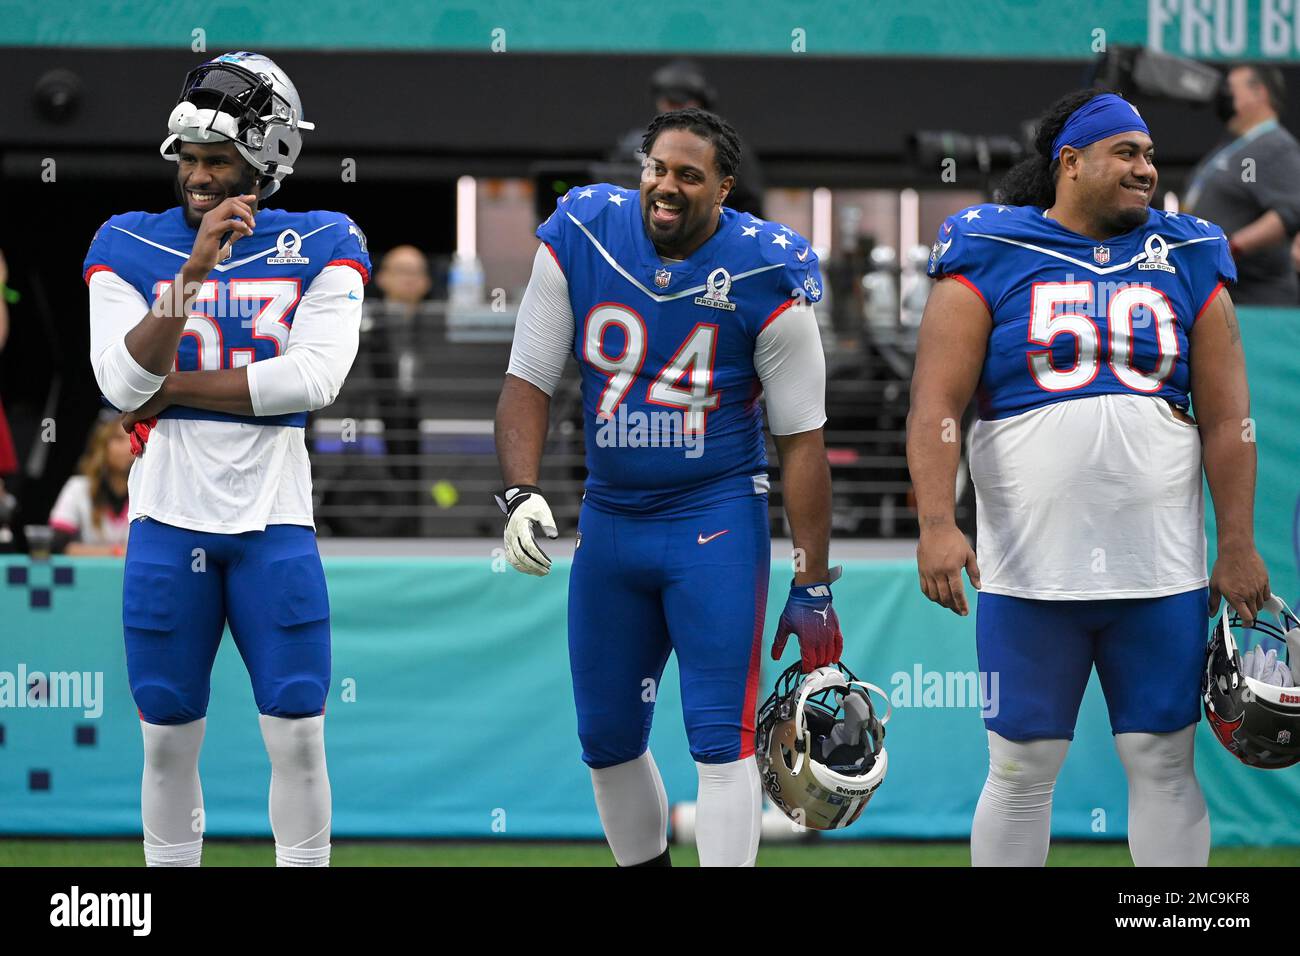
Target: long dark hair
x,y
1032,181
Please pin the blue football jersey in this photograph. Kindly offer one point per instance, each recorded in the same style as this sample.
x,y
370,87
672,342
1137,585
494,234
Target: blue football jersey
x,y
245,310
1074,317
666,349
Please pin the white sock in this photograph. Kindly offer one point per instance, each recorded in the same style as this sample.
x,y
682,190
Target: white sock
x,y
1013,819
1168,824
300,789
633,809
171,797
729,813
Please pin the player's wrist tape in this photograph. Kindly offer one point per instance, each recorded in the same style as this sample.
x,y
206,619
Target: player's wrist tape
x,y
833,576
508,499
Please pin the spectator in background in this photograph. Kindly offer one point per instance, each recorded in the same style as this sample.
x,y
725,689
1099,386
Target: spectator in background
x,y
680,84
396,341
90,515
1250,186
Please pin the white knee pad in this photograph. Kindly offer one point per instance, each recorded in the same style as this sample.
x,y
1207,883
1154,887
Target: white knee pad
x,y
171,797
1168,823
1013,820
633,809
300,789
729,813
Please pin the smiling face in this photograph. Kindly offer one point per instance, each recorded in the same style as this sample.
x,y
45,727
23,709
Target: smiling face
x,y
1112,181
207,173
682,192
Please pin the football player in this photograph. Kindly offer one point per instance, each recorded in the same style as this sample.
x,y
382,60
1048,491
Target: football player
x,y
216,326
1084,321
680,313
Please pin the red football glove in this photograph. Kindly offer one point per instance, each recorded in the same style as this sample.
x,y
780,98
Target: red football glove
x,y
139,433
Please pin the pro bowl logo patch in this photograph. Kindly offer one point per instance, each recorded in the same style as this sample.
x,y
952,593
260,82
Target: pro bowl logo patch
x,y
287,245
813,289
1157,251
719,284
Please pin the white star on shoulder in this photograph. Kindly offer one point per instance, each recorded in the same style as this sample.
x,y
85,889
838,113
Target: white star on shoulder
x,y
617,199
971,214
750,231
1202,222
755,219
586,194
787,230
1170,214
1002,208
781,240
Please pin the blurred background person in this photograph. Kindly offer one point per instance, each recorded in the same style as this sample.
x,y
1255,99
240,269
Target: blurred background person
x,y
398,340
90,515
1249,185
680,84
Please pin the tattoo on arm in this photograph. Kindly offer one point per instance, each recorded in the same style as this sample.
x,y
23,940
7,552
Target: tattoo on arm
x,y
1234,332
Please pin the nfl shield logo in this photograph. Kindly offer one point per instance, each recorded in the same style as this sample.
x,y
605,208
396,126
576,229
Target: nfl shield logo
x,y
662,278
1100,255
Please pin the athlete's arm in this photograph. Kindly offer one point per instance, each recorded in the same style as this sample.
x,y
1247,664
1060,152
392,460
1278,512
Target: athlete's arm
x,y
543,339
152,343
1221,400
322,346
131,355
789,362
949,356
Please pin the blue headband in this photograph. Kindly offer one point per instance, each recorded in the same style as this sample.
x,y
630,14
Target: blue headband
x,y
1100,117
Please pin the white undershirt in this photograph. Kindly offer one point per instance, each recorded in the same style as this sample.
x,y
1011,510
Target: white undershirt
x,y
1089,499
787,353
231,477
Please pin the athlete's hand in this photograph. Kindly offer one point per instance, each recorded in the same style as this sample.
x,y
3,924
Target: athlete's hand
x,y
809,616
940,555
1240,577
141,422
526,511
233,215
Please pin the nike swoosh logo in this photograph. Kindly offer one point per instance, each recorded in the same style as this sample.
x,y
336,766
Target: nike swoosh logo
x,y
700,539
353,295
803,255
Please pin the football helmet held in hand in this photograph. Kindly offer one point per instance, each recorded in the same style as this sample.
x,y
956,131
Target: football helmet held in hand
x,y
1257,720
821,746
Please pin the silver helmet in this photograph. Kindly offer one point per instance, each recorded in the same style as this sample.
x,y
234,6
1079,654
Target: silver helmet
x,y
821,746
246,99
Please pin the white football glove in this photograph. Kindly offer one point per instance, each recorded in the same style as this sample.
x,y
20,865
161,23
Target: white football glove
x,y
525,508
1264,666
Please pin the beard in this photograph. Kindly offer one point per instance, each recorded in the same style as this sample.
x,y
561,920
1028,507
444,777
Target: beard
x,y
1128,219
242,187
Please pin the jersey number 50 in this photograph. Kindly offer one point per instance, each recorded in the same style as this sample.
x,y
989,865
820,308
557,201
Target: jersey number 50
x,y
1046,323
693,362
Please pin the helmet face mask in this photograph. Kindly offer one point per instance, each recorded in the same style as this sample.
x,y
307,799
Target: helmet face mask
x,y
243,98
1257,722
820,746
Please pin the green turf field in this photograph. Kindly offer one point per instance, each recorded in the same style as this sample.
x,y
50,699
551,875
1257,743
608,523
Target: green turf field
x,y
23,852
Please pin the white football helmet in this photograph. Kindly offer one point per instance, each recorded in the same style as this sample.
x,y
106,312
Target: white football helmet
x,y
246,99
821,747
